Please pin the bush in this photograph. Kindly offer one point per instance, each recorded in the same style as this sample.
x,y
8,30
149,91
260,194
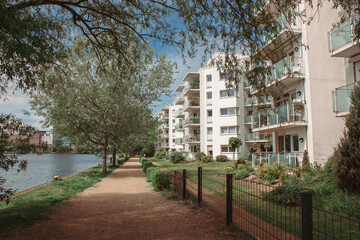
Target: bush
x,y
199,156
305,164
176,157
207,158
228,170
242,174
271,172
221,158
161,180
146,165
160,155
149,171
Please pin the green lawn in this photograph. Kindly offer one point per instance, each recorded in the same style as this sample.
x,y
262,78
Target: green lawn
x,y
251,198
33,206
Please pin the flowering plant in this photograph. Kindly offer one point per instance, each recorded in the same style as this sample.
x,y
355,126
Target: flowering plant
x,y
342,19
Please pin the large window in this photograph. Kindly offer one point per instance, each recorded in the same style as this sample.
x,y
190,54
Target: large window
x,y
228,130
227,93
225,149
227,111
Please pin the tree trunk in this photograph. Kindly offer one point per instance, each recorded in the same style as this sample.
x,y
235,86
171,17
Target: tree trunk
x,y
114,157
104,155
234,155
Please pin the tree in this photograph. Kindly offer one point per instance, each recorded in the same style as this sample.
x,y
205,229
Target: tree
x,y
347,154
14,141
91,102
234,144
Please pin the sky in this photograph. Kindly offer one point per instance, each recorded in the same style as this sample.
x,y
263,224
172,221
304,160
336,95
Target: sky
x,y
17,102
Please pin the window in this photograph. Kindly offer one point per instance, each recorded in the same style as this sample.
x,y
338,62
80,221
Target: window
x,y
209,113
295,143
225,149
209,131
209,78
227,93
173,120
209,95
223,76
227,111
228,130
173,130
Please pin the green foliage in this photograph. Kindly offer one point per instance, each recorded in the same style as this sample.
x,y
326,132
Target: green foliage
x,y
221,158
347,154
176,157
146,164
243,173
62,149
239,161
305,164
199,156
160,155
161,180
271,172
228,170
234,144
207,158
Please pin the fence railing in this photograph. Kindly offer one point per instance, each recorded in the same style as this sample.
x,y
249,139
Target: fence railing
x,y
255,209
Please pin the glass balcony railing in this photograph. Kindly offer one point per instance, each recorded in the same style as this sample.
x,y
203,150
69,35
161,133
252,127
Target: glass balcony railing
x,y
192,121
340,35
291,158
291,112
178,141
248,119
179,99
179,126
190,86
191,138
191,103
255,101
341,98
179,113
257,137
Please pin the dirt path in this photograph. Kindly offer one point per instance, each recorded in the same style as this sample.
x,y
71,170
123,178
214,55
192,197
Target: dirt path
x,y
124,206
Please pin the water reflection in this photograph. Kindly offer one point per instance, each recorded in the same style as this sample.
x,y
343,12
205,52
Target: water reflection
x,y
42,169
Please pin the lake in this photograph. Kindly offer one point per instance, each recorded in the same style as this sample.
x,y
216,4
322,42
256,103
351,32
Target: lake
x,y
42,169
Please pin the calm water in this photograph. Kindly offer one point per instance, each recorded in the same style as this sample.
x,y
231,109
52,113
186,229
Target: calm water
x,y
43,168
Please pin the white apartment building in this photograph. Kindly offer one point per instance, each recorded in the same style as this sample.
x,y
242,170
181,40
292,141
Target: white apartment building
x,y
167,136
310,89
301,116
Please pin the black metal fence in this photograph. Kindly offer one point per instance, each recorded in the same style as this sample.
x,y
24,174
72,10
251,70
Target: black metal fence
x,y
264,211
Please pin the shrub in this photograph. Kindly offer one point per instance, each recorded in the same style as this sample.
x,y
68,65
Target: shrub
x,y
221,158
207,158
271,172
305,164
149,170
228,170
242,174
199,156
161,180
347,154
160,155
146,165
176,157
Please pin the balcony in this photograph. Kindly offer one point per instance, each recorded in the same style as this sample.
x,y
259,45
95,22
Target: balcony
x,y
250,102
179,100
257,137
291,158
192,139
291,115
341,99
341,40
192,122
192,106
179,113
164,135
285,33
178,141
191,89
179,127
248,119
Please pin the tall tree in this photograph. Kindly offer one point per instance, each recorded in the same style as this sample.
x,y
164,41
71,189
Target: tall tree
x,y
94,102
347,154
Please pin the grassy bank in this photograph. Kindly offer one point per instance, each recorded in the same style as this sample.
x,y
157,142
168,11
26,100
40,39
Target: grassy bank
x,y
33,206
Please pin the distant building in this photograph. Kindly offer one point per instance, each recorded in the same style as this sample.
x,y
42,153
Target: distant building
x,y
34,140
46,137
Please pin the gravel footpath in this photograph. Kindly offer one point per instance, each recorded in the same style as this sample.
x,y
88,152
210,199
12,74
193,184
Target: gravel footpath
x,y
124,206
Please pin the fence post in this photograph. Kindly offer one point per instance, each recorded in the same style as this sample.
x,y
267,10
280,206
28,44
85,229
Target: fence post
x,y
307,215
199,185
184,183
228,199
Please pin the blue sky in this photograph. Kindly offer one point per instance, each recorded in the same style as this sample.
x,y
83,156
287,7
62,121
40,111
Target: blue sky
x,y
16,102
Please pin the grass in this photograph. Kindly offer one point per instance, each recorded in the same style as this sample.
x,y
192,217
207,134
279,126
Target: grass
x,y
31,207
268,210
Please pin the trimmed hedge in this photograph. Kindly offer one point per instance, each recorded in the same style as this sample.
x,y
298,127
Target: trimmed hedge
x,y
159,179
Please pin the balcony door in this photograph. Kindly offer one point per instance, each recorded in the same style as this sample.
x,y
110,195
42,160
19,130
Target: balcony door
x,y
288,143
